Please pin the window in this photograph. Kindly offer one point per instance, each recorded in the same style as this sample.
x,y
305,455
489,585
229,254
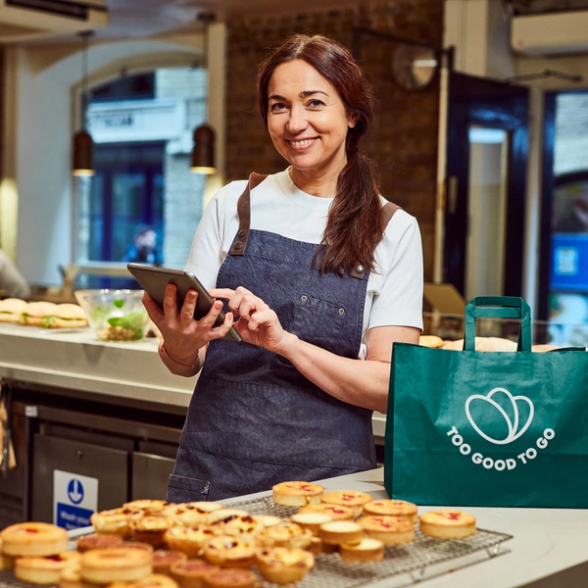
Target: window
x,y
142,129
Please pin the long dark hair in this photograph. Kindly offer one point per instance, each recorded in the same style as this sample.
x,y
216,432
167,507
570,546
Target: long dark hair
x,y
355,224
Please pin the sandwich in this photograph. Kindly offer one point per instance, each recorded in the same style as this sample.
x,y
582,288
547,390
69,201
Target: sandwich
x,y
12,309
67,316
39,314
54,316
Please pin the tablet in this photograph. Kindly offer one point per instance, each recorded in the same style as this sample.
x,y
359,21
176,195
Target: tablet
x,y
155,279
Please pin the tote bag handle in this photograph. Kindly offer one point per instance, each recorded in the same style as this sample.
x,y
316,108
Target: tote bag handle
x,y
497,307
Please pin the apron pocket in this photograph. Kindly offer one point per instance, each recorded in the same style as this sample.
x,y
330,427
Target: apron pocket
x,y
319,322
182,489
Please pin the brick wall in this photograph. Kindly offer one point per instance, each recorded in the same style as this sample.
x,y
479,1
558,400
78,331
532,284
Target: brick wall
x,y
403,138
183,189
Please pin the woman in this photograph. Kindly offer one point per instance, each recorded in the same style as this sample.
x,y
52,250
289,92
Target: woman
x,y
323,279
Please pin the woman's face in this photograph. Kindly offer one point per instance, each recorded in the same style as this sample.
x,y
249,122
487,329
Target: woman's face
x,y
306,119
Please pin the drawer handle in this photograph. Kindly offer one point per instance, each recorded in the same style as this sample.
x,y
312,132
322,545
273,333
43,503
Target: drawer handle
x,y
79,453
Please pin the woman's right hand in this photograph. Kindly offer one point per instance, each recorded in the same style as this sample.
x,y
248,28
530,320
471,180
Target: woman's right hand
x,y
183,335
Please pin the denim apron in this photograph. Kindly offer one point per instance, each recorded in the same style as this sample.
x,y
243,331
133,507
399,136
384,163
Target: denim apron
x,y
254,419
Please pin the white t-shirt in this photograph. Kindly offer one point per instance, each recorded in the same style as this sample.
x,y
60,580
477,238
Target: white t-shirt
x,y
395,289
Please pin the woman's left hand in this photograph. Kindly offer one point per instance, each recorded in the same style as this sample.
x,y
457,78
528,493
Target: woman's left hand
x,y
258,324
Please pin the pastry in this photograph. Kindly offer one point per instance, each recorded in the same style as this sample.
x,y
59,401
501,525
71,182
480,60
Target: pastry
x,y
367,549
136,545
318,546
103,566
339,532
70,577
392,508
283,566
148,506
297,493
447,524
285,534
115,522
268,520
237,525
151,581
337,513
98,542
151,529
229,552
33,539
230,579
311,520
225,513
389,530
189,574
188,540
351,498
191,514
44,570
164,558
544,347
431,341
483,344
6,562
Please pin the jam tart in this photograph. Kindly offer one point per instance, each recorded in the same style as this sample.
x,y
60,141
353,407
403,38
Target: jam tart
x,y
281,565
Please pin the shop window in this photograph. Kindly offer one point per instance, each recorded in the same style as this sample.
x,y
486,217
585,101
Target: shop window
x,y
142,130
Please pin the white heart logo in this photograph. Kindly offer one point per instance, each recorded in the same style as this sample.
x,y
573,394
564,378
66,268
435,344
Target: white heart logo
x,y
513,426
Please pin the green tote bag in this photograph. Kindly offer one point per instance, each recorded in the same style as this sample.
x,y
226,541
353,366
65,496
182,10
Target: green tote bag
x,y
467,428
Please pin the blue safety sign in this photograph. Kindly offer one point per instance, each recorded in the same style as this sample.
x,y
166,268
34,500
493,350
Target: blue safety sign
x,y
75,499
75,491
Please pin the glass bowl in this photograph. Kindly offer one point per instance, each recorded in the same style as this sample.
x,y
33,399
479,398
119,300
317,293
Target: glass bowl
x,y
115,315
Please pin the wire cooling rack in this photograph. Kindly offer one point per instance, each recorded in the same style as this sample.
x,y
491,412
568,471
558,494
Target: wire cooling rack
x,y
413,558
331,571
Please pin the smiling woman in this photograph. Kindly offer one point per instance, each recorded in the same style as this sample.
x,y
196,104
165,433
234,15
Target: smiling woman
x,y
308,127
323,275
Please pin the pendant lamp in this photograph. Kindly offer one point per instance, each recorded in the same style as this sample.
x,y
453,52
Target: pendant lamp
x,y
204,136
82,144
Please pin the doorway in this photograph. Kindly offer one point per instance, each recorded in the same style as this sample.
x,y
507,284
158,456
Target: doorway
x,y
487,150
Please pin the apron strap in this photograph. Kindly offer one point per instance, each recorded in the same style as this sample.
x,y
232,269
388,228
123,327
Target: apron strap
x,y
388,211
244,212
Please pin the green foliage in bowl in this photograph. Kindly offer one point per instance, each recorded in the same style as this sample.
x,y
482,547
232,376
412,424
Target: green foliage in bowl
x,y
115,315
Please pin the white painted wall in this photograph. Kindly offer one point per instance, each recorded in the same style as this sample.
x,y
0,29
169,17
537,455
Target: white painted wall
x,y
43,112
479,30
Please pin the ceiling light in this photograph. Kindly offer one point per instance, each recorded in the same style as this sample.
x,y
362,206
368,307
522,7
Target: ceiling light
x,y
204,136
82,144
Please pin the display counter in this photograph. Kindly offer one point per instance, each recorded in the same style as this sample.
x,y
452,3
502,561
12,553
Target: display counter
x,y
548,548
76,361
97,409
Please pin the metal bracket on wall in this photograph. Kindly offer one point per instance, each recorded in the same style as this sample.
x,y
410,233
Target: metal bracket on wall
x,y
546,73
452,194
